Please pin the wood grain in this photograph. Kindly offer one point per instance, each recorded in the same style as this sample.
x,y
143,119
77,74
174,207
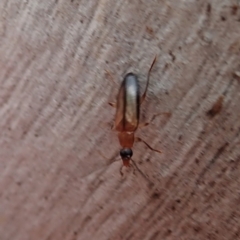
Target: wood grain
x,y
59,162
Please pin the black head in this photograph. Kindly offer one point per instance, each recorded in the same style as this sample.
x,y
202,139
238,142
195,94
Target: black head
x,y
126,154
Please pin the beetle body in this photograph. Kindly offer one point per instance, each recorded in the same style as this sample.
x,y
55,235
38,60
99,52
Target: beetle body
x,y
128,105
127,114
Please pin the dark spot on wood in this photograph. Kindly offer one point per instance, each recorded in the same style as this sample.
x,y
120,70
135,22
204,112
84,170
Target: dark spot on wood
x,y
172,55
197,161
173,208
234,9
223,18
236,234
232,161
156,195
149,30
19,183
212,184
180,137
75,233
165,67
148,160
196,229
209,8
87,219
178,201
224,170
236,75
216,108
150,184
222,148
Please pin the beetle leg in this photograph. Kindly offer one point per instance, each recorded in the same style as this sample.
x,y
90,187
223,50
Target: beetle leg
x,y
150,183
113,127
133,167
138,139
168,114
120,170
141,125
148,78
113,104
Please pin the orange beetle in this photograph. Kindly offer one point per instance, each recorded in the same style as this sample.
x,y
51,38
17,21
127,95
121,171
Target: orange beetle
x,y
127,115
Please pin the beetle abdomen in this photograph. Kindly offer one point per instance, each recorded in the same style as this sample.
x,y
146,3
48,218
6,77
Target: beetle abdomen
x,y
128,100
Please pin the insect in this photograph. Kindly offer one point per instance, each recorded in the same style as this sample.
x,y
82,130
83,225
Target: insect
x,y
127,115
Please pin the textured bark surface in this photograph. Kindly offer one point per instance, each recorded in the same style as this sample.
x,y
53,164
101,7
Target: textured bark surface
x,y
59,163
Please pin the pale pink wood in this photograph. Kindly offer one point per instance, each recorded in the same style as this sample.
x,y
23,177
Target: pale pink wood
x,y
59,163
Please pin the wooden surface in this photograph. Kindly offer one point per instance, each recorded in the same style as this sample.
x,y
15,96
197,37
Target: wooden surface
x,y
59,168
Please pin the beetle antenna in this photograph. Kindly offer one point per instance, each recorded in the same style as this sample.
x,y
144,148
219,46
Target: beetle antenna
x,y
151,184
148,78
